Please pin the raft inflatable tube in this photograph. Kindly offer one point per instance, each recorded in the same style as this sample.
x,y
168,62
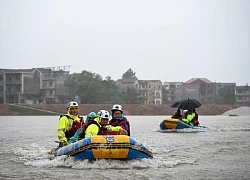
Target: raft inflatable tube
x,y
106,147
172,123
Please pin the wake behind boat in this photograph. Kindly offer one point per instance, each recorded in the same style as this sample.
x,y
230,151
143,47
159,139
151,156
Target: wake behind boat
x,y
105,147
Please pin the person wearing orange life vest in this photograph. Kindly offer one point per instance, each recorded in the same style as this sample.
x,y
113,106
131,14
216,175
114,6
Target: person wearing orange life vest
x,y
100,125
69,123
118,119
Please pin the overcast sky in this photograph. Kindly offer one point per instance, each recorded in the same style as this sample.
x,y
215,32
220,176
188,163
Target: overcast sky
x,y
169,40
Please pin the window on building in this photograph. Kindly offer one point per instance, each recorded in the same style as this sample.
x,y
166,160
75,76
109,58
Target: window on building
x,y
1,77
18,88
239,91
158,102
18,77
158,95
149,86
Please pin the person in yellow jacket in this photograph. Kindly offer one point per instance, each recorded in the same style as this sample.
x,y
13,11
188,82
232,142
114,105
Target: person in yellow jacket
x,y
188,117
100,126
69,123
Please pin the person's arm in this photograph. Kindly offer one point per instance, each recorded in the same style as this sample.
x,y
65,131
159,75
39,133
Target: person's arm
x,y
188,119
185,120
125,125
113,128
117,128
61,129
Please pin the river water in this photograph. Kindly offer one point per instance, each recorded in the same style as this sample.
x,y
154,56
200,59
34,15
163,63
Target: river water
x,y
223,152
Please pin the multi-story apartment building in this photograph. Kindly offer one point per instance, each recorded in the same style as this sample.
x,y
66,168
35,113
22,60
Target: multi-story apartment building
x,y
150,90
37,85
219,86
52,84
127,83
200,89
171,89
19,85
195,88
242,94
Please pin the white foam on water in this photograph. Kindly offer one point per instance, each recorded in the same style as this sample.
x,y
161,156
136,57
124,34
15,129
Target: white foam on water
x,y
37,156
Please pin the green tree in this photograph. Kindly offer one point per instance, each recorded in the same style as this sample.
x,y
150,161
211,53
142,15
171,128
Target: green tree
x,y
132,96
129,74
228,95
215,99
92,89
110,93
165,96
86,85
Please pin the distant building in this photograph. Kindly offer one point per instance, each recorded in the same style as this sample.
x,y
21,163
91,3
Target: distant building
x,y
242,94
52,84
19,85
173,88
219,86
36,85
199,88
150,90
127,83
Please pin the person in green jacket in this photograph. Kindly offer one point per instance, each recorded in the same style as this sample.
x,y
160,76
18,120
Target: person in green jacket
x,y
188,117
90,117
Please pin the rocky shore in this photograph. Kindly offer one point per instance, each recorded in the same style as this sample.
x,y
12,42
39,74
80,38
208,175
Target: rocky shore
x,y
129,109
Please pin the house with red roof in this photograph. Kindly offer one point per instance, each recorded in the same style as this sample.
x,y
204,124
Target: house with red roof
x,y
194,88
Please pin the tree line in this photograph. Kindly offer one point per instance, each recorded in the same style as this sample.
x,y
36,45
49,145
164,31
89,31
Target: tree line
x,y
93,89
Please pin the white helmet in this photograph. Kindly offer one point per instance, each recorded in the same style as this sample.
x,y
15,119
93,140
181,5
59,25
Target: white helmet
x,y
117,107
184,111
103,114
72,104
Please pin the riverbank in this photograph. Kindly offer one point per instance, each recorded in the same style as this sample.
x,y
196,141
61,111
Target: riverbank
x,y
129,109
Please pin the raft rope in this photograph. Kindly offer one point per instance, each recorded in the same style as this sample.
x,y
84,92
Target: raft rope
x,y
110,146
